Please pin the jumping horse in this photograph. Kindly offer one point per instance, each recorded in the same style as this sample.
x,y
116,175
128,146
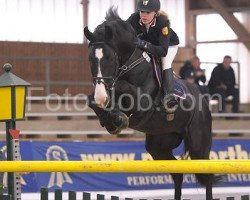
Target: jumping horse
x,y
127,94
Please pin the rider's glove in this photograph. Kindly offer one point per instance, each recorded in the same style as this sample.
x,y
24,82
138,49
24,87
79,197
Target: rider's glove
x,y
140,43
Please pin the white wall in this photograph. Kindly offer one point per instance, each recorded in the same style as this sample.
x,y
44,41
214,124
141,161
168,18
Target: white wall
x,y
41,20
62,20
98,9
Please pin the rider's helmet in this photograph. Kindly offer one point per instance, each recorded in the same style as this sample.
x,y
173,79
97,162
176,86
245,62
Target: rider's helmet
x,y
149,5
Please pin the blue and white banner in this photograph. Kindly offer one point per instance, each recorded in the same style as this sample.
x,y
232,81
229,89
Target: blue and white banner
x,y
127,150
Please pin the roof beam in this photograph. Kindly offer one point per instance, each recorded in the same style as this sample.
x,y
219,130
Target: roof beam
x,y
232,21
203,11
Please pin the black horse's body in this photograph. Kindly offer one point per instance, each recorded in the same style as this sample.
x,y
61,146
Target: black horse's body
x,y
120,75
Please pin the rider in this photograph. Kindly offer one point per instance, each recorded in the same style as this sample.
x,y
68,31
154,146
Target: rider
x,y
159,40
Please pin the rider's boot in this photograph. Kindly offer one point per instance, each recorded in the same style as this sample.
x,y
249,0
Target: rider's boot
x,y
169,101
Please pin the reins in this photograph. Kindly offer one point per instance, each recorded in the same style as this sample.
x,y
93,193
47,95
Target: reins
x,y
124,69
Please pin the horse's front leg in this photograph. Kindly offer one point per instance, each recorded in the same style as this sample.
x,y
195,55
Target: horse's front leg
x,y
113,120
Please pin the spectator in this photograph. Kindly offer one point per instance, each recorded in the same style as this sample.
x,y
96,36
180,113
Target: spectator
x,y
222,82
192,72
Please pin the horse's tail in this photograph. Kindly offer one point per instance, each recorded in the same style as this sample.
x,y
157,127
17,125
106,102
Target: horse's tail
x,y
213,178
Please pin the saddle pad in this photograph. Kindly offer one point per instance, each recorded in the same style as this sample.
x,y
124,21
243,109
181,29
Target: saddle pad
x,y
178,90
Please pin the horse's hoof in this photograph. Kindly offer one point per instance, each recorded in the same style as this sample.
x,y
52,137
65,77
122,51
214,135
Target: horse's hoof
x,y
115,132
122,122
125,121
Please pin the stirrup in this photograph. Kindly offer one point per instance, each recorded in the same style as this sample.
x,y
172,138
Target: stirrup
x,y
171,110
170,99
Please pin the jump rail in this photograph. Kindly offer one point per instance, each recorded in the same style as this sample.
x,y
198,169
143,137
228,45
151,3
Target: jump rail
x,y
163,166
104,132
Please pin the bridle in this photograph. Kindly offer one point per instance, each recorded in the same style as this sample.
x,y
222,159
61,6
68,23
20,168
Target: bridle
x,y
103,79
119,70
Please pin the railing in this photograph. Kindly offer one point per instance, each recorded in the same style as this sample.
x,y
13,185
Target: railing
x,y
92,114
129,132
58,194
79,114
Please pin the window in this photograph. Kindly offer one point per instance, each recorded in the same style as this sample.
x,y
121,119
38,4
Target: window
x,y
61,21
213,28
41,21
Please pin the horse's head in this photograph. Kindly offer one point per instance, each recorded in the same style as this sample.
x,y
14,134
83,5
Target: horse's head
x,y
103,63
110,40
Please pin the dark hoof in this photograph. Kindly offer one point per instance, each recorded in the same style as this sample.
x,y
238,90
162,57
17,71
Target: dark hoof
x,y
114,131
122,122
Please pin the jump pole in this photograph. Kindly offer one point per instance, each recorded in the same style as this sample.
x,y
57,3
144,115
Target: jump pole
x,y
162,166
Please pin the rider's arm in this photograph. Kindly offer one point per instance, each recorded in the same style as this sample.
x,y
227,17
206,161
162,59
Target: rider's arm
x,y
160,50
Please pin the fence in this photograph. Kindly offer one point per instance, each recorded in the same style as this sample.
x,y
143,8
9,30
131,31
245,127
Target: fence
x,y
87,196
177,166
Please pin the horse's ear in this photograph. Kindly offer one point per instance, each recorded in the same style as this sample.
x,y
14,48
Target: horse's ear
x,y
88,34
109,32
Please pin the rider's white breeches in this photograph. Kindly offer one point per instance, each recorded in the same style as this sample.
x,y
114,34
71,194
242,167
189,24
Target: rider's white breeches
x,y
169,58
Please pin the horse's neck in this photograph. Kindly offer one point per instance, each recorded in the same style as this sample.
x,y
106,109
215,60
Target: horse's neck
x,y
135,56
125,53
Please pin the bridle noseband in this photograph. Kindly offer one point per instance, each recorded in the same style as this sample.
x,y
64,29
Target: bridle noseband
x,y
119,71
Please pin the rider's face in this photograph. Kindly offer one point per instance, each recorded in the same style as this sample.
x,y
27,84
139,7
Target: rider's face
x,y
147,17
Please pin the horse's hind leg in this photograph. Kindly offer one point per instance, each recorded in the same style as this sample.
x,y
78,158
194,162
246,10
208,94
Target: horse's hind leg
x,y
160,148
178,179
199,145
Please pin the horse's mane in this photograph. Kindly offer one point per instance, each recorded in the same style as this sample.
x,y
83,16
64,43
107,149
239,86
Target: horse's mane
x,y
112,18
112,14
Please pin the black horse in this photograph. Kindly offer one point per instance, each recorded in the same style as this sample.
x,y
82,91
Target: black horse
x,y
127,94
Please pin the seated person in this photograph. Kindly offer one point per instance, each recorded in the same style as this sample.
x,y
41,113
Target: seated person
x,y
192,69
222,83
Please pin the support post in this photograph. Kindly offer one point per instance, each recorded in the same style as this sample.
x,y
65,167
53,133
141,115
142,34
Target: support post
x,y
10,157
13,153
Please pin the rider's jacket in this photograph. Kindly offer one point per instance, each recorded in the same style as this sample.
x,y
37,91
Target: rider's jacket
x,y
159,35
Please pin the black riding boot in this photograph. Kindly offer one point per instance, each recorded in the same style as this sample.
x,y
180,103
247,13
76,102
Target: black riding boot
x,y
169,101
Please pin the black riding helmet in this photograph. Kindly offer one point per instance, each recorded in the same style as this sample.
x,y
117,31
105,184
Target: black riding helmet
x,y
149,5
